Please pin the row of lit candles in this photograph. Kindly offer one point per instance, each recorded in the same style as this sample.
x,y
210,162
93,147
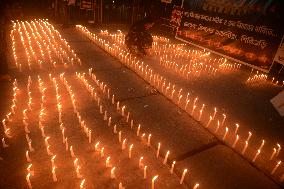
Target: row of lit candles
x,y
122,110
42,36
142,70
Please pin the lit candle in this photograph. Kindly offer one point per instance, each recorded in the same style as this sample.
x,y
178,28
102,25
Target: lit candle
x,y
140,162
236,129
114,129
183,175
256,155
210,119
120,186
123,144
4,143
236,140
28,157
249,136
97,146
145,172
226,132
173,166
149,140
218,126
262,144
107,162
223,121
82,184
278,150
109,121
215,111
273,154
119,136
28,181
166,157
66,144
130,151
52,160
102,152
127,118
196,186
158,150
112,175
78,174
72,152
245,148
138,130
54,175
275,168
153,181
90,136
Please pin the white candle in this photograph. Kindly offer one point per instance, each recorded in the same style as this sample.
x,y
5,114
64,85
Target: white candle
x,y
210,119
256,155
112,174
140,162
54,175
123,144
183,175
114,129
90,136
78,174
127,118
275,168
145,172
131,124
120,186
249,136
196,186
218,126
97,146
109,121
262,144
245,148
82,184
215,111
173,166
236,129
273,154
4,143
236,140
28,181
153,181
46,141
166,157
149,140
102,152
119,136
278,150
28,157
72,152
52,160
107,162
226,132
130,151
138,130
158,150
66,144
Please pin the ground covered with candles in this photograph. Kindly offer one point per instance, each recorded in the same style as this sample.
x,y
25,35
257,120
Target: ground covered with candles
x,y
81,112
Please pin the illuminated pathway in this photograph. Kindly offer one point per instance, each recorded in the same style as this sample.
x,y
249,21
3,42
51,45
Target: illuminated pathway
x,y
111,118
235,141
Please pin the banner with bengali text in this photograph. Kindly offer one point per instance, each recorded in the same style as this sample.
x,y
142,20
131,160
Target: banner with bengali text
x,y
249,31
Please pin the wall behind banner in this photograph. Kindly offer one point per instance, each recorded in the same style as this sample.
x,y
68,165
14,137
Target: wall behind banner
x,y
247,30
